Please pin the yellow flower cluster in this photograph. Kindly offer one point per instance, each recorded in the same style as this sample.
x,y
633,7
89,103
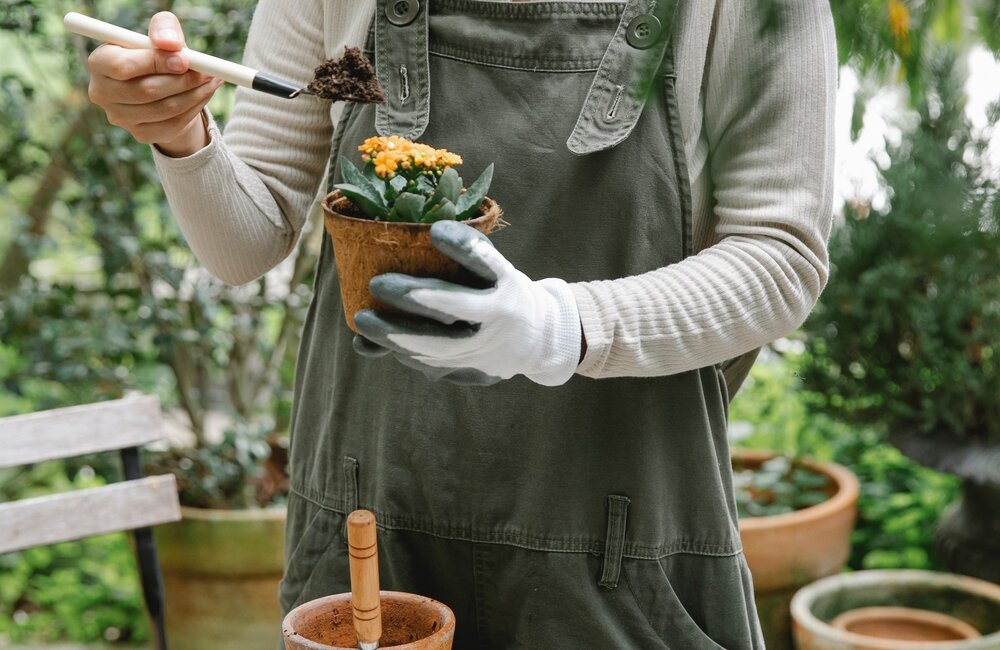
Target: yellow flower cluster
x,y
393,152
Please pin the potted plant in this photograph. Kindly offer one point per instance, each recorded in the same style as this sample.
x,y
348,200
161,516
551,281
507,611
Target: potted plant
x,y
222,562
905,335
796,518
379,219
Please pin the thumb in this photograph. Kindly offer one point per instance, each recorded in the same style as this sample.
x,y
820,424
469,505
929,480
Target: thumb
x,y
165,32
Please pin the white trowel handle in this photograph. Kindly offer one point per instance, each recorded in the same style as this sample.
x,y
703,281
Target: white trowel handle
x,y
234,73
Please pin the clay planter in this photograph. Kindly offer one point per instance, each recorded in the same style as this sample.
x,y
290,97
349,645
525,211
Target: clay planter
x,y
409,622
897,610
790,550
221,570
364,248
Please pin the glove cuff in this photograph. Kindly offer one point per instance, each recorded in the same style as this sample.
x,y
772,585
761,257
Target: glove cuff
x,y
560,353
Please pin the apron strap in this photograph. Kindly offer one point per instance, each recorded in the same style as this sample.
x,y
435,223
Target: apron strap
x,y
614,543
351,498
625,77
402,67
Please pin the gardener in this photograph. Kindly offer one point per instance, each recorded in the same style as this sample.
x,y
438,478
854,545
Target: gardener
x,y
675,194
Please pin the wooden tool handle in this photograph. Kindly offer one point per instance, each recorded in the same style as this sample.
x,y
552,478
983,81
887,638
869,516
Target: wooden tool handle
x,y
364,576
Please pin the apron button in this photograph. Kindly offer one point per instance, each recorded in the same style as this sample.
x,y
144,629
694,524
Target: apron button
x,y
643,31
402,12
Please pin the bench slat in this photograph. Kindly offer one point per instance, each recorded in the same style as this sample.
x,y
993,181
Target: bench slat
x,y
79,430
82,513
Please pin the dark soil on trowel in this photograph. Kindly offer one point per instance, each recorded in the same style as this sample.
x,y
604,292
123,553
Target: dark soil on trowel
x,y
349,78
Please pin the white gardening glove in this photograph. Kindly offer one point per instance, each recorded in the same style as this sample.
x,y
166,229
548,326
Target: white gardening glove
x,y
515,326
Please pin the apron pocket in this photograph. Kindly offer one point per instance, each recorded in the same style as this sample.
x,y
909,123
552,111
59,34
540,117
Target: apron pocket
x,y
311,531
654,596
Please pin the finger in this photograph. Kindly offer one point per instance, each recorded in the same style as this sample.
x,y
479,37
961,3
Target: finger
x,y
165,109
366,348
121,63
165,32
468,247
149,89
379,327
167,130
407,293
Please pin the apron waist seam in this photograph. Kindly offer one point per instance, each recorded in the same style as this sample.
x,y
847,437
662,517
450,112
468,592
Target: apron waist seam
x,y
528,542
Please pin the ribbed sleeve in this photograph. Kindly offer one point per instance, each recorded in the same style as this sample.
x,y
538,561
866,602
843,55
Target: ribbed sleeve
x,y
767,148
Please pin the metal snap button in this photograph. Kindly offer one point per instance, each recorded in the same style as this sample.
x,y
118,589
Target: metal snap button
x,y
643,31
402,12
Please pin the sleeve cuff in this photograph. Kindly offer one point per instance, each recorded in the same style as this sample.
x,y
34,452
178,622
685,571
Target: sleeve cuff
x,y
598,345
187,164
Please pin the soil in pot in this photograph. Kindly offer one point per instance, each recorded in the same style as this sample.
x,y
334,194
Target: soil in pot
x,y
904,624
364,248
409,622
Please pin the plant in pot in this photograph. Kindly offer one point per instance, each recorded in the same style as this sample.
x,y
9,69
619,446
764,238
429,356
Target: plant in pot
x,y
796,517
379,219
905,336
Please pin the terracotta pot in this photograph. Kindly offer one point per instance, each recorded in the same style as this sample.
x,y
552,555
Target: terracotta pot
x,y
363,248
897,610
904,624
409,622
790,550
221,570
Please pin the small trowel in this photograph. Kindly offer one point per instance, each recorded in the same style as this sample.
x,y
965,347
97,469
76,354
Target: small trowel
x,y
365,600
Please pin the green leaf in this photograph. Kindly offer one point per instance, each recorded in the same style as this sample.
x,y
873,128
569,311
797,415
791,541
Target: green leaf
x,y
410,207
424,185
364,184
360,199
469,202
444,211
398,183
449,186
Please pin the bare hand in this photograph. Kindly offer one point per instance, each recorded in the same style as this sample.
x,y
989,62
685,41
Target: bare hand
x,y
151,93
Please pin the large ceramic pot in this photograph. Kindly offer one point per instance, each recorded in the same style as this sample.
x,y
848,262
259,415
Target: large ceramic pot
x,y
787,551
221,570
897,610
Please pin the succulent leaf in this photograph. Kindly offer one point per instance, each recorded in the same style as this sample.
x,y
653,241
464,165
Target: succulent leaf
x,y
360,199
410,207
364,185
443,211
469,202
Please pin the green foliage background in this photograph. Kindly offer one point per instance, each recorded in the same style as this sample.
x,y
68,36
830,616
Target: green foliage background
x,y
99,294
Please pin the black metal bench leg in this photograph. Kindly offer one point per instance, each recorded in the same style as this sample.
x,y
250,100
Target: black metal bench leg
x,y
152,583
149,563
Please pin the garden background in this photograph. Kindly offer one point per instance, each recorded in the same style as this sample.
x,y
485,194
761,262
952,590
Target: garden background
x,y
100,296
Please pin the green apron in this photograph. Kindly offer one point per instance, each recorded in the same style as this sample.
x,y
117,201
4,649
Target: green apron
x,y
597,514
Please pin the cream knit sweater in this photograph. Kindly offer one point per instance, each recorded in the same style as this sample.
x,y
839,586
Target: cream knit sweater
x,y
756,107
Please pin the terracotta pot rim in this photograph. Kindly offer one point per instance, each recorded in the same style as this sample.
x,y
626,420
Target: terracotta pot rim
x,y
956,625
334,197
447,614
270,513
803,598
845,498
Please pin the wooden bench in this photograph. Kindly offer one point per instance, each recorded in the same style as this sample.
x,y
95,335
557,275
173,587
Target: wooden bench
x,y
134,504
